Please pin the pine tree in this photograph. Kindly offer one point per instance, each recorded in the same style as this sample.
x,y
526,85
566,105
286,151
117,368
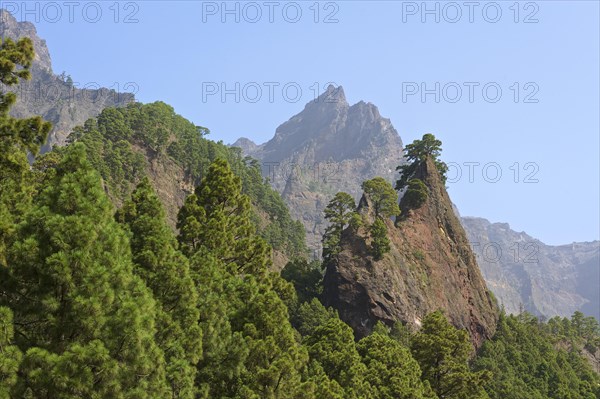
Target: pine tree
x,y
339,213
382,196
443,352
311,315
216,219
166,272
85,322
339,210
250,349
18,137
380,243
332,346
390,368
10,355
306,278
415,195
416,153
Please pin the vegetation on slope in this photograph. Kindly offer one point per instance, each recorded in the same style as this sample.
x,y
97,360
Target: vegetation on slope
x,y
100,302
122,141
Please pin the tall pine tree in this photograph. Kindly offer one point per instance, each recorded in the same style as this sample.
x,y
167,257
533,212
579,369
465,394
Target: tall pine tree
x,y
216,219
18,138
166,272
250,348
443,353
85,322
10,355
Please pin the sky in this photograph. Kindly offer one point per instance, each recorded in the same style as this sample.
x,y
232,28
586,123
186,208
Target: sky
x,y
511,88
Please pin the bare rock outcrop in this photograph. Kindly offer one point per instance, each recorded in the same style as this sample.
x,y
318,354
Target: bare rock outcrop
x,y
430,266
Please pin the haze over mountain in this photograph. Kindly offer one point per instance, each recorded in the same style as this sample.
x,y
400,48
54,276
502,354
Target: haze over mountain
x,y
54,97
328,147
331,146
525,273
140,258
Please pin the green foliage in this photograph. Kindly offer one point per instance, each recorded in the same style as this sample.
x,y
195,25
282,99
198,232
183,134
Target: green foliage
x,y
332,346
527,360
110,152
10,355
415,195
311,315
216,219
18,137
443,352
306,277
118,139
579,331
250,348
339,212
356,221
390,369
166,272
383,197
416,153
380,243
78,308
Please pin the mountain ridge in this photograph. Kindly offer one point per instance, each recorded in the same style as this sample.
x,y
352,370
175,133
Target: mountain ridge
x,y
294,175
52,96
324,149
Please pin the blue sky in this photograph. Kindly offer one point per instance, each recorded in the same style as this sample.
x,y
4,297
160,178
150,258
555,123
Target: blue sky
x,y
543,56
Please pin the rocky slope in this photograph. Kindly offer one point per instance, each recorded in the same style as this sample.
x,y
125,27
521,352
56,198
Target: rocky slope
x,y
52,96
430,266
525,273
330,146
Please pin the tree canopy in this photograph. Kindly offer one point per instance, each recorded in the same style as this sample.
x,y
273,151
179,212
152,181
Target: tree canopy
x,y
415,154
98,302
383,197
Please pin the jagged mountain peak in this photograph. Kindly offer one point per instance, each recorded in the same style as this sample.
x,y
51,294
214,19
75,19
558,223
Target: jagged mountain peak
x,y
328,128
12,29
248,146
329,146
333,95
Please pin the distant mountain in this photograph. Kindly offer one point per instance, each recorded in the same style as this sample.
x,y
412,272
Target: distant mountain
x,y
328,147
53,96
331,146
525,273
430,266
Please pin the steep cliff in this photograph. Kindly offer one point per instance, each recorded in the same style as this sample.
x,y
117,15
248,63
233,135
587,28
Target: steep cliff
x,y
58,100
430,266
331,146
525,273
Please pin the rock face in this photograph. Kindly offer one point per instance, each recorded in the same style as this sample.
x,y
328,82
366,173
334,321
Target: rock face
x,y
525,273
430,266
331,146
53,96
328,147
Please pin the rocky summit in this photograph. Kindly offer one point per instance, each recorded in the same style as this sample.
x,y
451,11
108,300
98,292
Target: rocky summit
x,y
57,98
430,266
330,146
